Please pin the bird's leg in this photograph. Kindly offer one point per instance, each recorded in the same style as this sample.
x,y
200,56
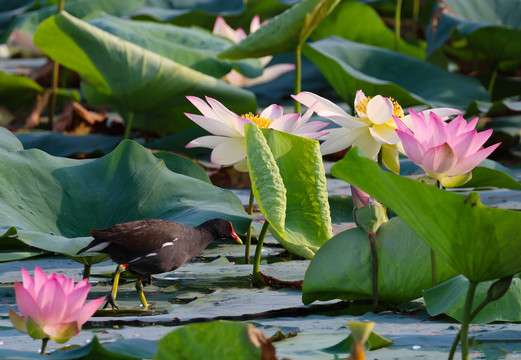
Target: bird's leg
x,y
111,299
139,288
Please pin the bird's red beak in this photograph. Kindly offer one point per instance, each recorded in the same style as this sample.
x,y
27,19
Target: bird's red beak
x,y
235,236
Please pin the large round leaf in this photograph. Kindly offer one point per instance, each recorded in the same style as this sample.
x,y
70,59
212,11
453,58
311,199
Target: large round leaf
x,y
192,47
135,80
492,28
8,141
17,91
284,32
350,66
365,26
29,21
479,242
54,202
342,268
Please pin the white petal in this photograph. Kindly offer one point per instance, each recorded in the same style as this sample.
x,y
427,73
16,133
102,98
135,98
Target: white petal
x,y
206,141
229,152
340,139
203,107
269,74
242,165
272,112
380,110
255,24
213,126
367,144
308,98
384,134
288,123
222,111
360,97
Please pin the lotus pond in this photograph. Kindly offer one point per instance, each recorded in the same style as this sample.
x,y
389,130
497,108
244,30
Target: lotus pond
x,y
366,152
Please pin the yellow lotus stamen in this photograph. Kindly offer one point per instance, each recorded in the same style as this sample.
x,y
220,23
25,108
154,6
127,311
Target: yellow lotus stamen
x,y
398,111
262,123
361,107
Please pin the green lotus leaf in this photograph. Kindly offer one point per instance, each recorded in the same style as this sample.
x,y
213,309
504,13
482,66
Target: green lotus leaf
x,y
267,184
299,201
211,340
479,242
136,82
342,268
192,47
54,202
365,26
350,66
489,28
8,141
284,32
17,91
449,298
29,21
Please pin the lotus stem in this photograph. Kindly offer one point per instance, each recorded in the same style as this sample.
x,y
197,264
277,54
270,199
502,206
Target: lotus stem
x,y
128,124
467,312
55,79
397,25
44,345
415,17
374,253
258,250
248,234
298,74
86,270
492,80
491,296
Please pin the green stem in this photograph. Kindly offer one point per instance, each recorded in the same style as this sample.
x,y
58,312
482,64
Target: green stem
x,y
467,311
128,124
86,271
374,253
492,80
248,234
397,25
298,74
258,250
44,345
434,275
415,18
55,79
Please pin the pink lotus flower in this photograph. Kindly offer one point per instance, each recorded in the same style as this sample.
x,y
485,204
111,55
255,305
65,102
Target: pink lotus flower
x,y
446,151
227,128
234,77
51,306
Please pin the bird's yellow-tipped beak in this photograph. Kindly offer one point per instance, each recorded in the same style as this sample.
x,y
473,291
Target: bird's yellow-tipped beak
x,y
236,238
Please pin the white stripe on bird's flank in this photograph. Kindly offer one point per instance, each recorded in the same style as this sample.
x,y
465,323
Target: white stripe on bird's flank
x,y
169,243
100,246
151,254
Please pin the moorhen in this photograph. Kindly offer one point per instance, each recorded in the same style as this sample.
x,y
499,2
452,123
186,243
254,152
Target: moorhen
x,y
153,246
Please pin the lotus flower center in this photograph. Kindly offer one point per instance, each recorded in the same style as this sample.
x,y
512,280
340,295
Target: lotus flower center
x,y
261,122
361,108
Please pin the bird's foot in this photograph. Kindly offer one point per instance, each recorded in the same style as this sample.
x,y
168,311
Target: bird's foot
x,y
112,302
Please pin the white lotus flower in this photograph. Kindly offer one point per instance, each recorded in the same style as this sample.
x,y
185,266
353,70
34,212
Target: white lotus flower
x,y
227,141
235,78
372,130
